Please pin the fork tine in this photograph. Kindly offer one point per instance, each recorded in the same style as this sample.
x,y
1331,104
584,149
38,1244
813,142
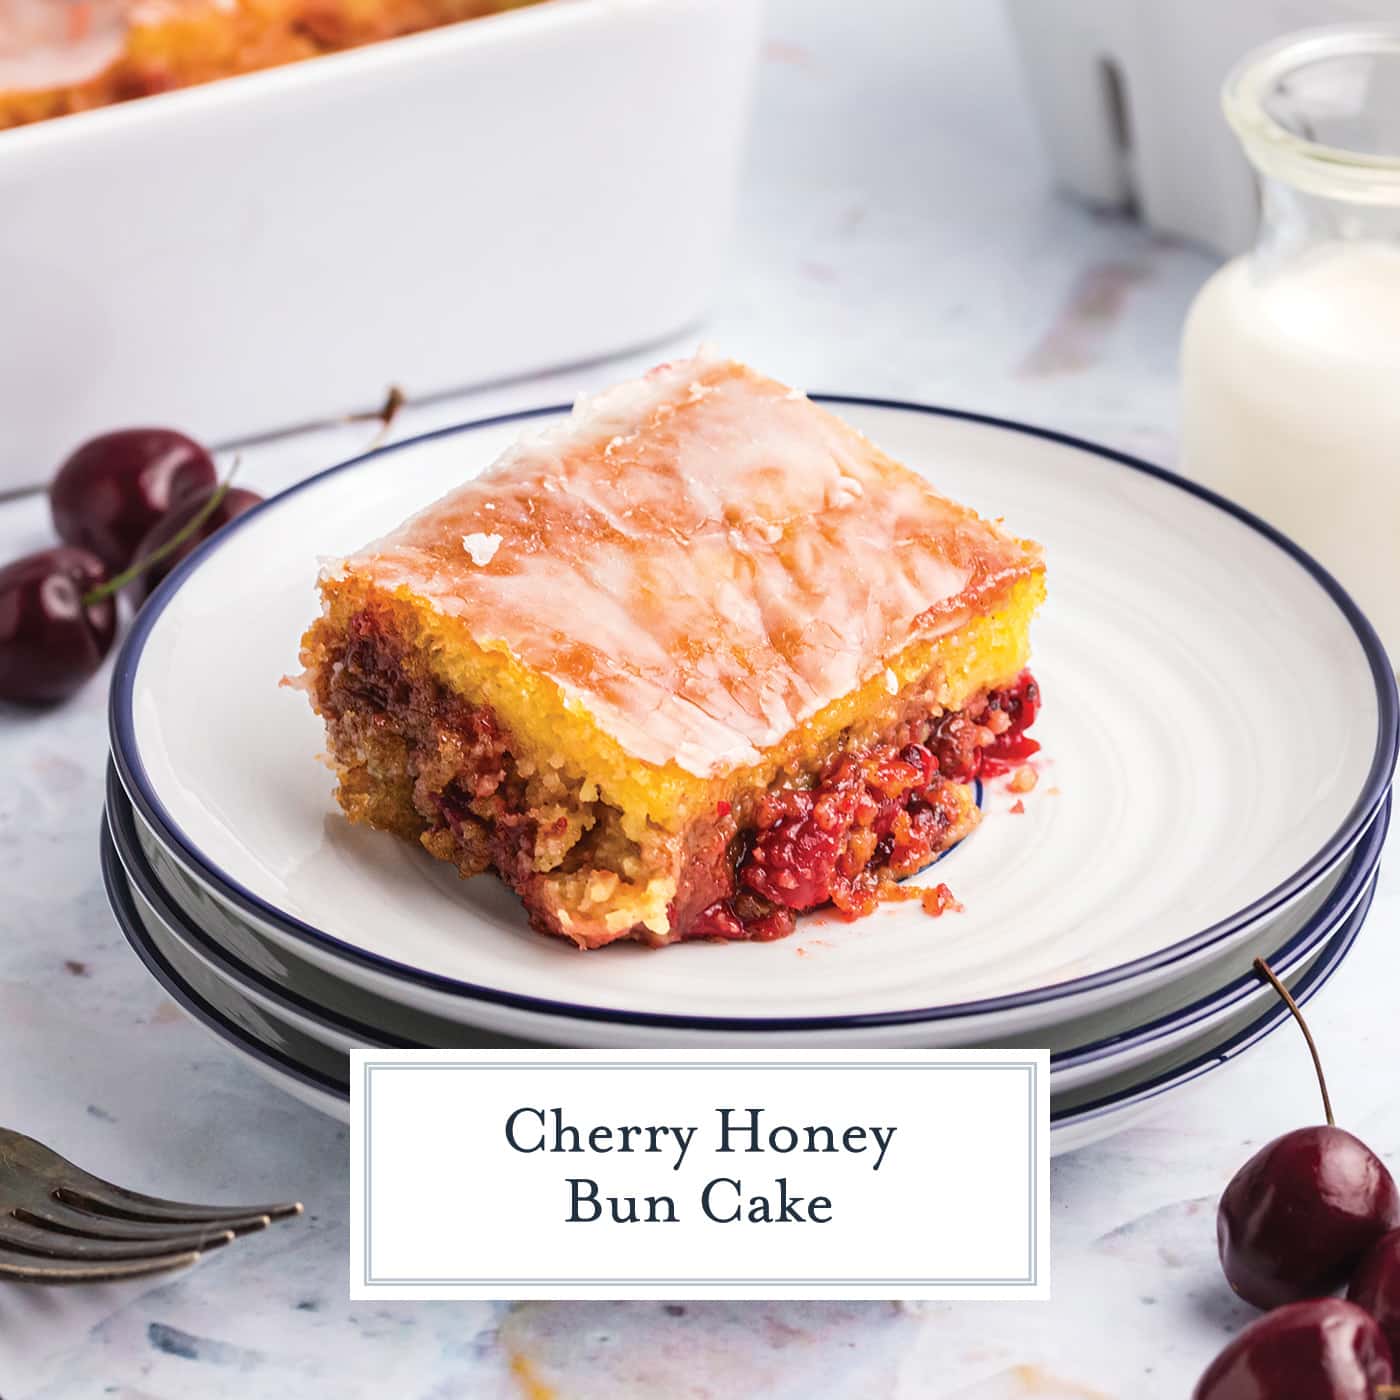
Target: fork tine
x,y
26,1156
30,1268
54,1215
20,1237
62,1211
91,1193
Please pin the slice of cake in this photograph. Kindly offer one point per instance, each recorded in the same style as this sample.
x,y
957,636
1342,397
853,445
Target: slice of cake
x,y
694,659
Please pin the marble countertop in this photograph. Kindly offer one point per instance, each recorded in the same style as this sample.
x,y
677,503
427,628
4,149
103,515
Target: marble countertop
x,y
898,236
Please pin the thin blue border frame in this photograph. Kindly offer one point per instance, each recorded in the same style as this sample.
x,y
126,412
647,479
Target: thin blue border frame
x,y
137,783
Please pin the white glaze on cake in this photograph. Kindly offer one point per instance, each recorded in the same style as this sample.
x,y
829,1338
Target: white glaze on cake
x,y
47,43
702,557
52,43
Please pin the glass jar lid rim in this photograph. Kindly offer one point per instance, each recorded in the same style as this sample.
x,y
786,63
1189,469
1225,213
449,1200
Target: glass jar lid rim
x,y
1275,148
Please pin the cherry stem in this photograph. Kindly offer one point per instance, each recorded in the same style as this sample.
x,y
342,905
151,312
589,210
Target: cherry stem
x,y
383,415
1266,972
117,582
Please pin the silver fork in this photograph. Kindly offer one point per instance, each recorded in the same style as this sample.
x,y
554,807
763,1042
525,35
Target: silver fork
x,y
60,1224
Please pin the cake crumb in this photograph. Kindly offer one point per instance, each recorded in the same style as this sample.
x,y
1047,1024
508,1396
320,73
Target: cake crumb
x,y
1024,779
939,900
481,548
1018,808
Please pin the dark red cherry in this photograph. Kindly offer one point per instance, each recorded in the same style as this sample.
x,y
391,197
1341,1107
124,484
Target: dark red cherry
x,y
1300,1214
179,517
1324,1349
1376,1286
50,641
114,488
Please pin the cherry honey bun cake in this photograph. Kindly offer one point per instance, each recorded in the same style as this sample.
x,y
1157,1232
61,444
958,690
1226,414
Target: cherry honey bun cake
x,y
64,56
693,660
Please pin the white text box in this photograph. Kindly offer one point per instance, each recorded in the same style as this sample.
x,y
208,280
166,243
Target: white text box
x,y
700,1174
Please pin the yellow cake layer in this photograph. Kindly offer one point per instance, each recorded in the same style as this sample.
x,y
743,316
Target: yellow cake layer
x,y
551,729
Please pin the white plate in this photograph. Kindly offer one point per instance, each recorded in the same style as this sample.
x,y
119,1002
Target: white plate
x,y
1220,725
203,941
306,1068
1097,1111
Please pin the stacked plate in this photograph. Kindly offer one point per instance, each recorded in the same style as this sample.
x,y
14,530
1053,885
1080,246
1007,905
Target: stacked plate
x,y
1219,730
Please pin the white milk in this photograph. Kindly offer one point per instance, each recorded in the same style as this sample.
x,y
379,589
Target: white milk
x,y
1291,406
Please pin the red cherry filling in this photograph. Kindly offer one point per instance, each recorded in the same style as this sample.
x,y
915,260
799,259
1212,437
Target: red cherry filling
x,y
743,917
883,810
1012,746
871,817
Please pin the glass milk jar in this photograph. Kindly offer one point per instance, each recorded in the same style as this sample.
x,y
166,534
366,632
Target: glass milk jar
x,y
1291,356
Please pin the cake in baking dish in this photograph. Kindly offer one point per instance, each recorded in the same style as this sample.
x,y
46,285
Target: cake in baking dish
x,y
63,56
684,664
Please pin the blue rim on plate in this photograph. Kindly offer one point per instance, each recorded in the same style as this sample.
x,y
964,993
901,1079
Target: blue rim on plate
x,y
1212,1058
129,921
1303,991
137,783
119,828
1324,923
1352,892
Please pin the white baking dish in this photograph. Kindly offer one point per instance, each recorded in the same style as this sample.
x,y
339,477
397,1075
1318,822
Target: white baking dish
x,y
496,197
